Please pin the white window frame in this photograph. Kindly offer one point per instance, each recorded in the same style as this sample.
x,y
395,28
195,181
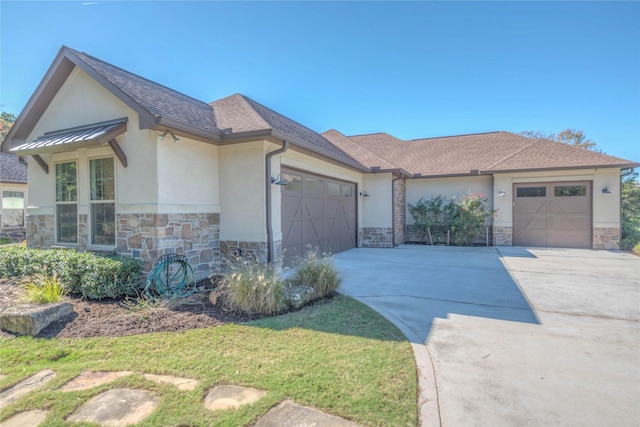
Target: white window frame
x,y
92,203
61,203
3,208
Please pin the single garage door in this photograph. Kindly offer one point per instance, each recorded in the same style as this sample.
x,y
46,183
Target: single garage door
x,y
317,212
556,214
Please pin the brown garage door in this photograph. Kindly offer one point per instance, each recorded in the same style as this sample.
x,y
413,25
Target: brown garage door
x,y
317,212
556,214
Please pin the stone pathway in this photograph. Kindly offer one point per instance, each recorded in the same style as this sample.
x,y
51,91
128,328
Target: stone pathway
x,y
121,407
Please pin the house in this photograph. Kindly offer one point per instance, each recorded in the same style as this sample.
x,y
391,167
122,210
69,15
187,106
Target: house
x,y
13,193
122,163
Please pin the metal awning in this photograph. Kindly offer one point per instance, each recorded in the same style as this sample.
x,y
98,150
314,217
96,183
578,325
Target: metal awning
x,y
73,138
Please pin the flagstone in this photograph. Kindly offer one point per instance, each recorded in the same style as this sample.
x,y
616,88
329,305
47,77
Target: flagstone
x,y
118,407
90,379
28,418
231,397
186,384
290,414
34,382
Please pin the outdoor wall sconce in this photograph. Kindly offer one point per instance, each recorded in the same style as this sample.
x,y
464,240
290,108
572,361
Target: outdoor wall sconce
x,y
175,138
278,180
364,194
502,193
605,190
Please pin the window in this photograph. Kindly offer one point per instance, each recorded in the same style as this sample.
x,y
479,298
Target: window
x,y
531,192
67,202
294,183
333,189
570,190
314,185
13,209
102,201
347,190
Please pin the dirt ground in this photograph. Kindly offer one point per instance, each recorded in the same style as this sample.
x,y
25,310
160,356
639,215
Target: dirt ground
x,y
110,318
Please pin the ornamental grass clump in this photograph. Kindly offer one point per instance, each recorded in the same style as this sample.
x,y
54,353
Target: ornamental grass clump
x,y
253,288
318,272
44,289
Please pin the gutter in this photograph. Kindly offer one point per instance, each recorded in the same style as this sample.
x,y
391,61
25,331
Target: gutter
x,y
270,249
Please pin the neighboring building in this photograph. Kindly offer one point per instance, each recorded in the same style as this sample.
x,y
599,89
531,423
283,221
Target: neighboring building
x,y
13,197
122,163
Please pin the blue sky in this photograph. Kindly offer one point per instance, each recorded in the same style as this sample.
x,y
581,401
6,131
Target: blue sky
x,y
412,69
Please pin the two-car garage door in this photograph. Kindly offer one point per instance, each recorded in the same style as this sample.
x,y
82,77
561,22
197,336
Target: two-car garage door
x,y
552,214
318,213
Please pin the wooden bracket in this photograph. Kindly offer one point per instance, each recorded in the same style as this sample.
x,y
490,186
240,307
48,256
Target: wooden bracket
x,y
39,160
118,151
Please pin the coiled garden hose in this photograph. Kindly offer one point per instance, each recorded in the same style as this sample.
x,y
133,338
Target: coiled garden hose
x,y
171,277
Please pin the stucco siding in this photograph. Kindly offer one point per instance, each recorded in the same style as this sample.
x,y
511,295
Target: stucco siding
x,y
377,208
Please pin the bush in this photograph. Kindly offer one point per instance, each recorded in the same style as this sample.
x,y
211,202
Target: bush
x,y
253,288
464,217
91,275
317,272
45,289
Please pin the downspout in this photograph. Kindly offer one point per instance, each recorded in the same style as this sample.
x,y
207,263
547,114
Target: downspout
x,y
285,146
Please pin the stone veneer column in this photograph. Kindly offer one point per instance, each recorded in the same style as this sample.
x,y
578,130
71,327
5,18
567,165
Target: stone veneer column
x,y
375,237
399,211
502,236
231,250
606,238
40,231
149,236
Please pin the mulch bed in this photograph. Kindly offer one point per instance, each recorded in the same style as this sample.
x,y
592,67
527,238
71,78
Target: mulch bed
x,y
111,318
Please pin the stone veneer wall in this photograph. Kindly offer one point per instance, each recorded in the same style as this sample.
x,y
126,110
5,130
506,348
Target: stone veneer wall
x,y
502,236
40,231
149,236
606,238
231,250
375,237
399,211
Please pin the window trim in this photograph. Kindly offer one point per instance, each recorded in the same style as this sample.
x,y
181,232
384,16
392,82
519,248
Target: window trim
x,y
91,203
3,208
58,203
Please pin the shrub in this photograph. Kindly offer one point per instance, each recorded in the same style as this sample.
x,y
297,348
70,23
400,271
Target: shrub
x,y
464,217
44,289
253,288
317,272
5,240
91,275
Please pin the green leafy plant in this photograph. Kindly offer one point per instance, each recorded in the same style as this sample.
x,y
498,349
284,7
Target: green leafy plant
x,y
88,274
44,289
318,272
464,217
253,288
5,240
471,215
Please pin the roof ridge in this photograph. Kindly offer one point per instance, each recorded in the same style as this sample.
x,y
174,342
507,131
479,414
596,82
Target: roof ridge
x,y
455,136
250,100
367,149
79,53
372,133
508,156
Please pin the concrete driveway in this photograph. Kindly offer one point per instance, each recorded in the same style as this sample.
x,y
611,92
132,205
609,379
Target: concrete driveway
x,y
511,336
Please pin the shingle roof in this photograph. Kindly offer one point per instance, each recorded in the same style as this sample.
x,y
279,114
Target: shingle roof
x,y
11,170
238,113
365,156
153,97
485,152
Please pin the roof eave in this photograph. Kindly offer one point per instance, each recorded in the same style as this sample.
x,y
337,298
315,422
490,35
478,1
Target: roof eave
x,y
187,130
564,168
53,79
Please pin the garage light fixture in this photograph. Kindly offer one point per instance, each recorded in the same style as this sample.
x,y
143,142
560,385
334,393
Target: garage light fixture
x,y
278,180
605,190
502,193
364,194
175,138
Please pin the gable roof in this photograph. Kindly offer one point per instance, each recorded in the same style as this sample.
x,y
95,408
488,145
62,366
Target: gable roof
x,y
357,151
11,170
238,114
489,152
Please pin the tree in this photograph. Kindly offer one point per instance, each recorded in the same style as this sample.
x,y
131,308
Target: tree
x,y
6,121
568,136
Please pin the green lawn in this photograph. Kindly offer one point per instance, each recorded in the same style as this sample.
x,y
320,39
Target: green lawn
x,y
338,356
